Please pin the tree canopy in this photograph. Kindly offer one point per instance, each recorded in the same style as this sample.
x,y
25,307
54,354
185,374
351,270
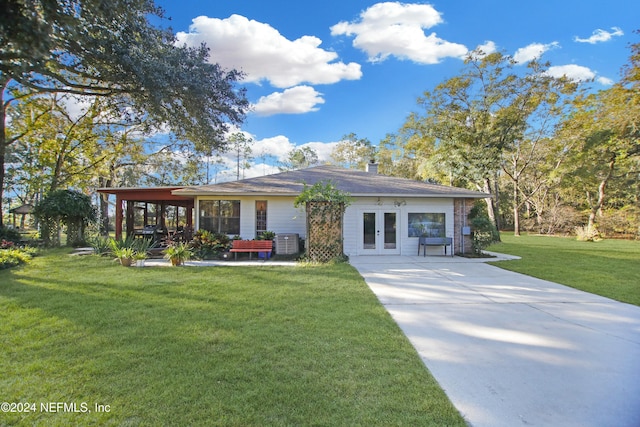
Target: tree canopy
x,y
353,152
558,152
299,158
470,121
111,49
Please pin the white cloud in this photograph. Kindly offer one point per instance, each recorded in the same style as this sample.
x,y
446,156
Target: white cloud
x,y
393,28
259,169
276,147
296,100
487,48
605,81
533,51
600,36
264,54
267,154
323,149
572,72
76,105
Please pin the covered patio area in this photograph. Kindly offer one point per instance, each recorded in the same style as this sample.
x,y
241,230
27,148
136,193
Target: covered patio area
x,y
152,213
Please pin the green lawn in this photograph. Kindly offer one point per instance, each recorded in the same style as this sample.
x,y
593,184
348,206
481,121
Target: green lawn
x,y
610,268
207,346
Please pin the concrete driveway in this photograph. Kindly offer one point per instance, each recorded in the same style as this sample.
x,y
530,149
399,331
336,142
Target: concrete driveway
x,y
513,350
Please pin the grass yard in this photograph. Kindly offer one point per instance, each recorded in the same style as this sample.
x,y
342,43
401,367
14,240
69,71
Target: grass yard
x,y
259,346
610,268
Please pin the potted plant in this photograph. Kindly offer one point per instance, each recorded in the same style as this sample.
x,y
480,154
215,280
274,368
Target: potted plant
x,y
178,253
125,255
141,248
139,257
267,235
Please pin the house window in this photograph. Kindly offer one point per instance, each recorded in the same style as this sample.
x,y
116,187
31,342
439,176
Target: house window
x,y
261,217
220,216
427,225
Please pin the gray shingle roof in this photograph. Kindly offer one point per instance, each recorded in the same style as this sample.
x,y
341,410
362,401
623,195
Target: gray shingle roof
x,y
357,183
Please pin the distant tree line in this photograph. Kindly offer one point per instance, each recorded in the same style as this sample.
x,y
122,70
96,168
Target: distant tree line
x,y
552,155
89,91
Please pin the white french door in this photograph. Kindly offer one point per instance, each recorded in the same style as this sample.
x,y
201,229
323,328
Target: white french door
x,y
379,232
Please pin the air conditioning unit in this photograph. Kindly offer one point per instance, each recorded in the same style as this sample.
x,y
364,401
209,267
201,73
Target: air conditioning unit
x,y
287,244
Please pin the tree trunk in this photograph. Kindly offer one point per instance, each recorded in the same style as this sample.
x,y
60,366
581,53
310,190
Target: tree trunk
x,y
491,207
3,144
596,209
516,213
496,203
104,206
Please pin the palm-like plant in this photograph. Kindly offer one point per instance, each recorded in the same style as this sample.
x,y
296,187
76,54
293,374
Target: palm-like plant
x,y
178,253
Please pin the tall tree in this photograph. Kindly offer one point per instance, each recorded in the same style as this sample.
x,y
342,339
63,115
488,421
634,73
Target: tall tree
x,y
471,120
602,139
537,173
111,49
353,152
540,103
241,147
62,145
300,158
399,154
602,136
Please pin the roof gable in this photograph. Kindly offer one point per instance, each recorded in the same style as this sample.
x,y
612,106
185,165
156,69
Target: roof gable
x,y
357,183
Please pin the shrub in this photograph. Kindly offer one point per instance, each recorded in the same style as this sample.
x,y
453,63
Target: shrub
x,y
208,245
624,222
560,219
13,257
587,234
127,248
121,243
6,244
484,231
31,251
9,234
101,245
484,234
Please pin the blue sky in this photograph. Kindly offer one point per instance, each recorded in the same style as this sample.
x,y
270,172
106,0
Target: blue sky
x,y
319,70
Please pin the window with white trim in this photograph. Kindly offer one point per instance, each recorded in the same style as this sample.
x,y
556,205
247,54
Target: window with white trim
x,y
261,217
220,216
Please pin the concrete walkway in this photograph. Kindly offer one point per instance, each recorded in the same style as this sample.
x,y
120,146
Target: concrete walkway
x,y
513,350
217,263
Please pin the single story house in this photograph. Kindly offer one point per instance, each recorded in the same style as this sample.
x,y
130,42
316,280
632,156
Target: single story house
x,y
386,217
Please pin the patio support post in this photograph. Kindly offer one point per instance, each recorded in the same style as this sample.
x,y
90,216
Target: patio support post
x,y
118,217
163,213
130,217
189,217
